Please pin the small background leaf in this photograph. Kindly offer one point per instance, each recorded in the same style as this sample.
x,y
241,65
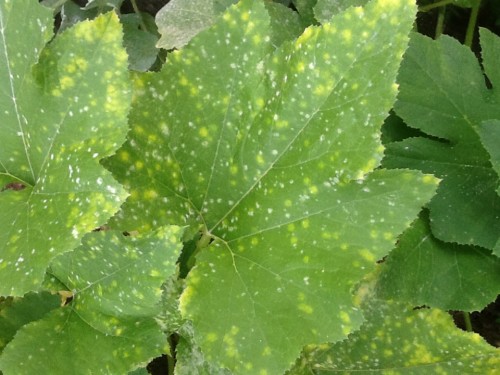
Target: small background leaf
x,y
422,270
436,100
179,21
140,44
115,281
16,312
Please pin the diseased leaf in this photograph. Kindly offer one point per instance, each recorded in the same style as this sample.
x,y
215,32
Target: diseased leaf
x,y
325,9
16,312
399,340
436,99
115,283
179,21
272,163
55,129
425,271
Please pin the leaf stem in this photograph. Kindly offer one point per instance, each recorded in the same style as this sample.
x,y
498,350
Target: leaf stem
x,y
428,7
468,323
471,27
138,12
440,22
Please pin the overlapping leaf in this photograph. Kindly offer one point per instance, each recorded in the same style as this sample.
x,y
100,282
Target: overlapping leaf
x,y
425,271
436,99
269,155
108,327
399,340
16,312
56,126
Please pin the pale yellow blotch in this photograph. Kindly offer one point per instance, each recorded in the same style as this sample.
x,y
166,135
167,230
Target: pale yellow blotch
x,y
347,35
183,81
290,227
300,67
124,156
260,102
294,240
118,331
266,352
56,92
430,180
254,241
305,308
281,124
305,259
313,189
256,39
320,90
139,165
367,254
203,132
305,223
344,317
245,16
67,82
260,160
374,234
233,169
388,236
288,203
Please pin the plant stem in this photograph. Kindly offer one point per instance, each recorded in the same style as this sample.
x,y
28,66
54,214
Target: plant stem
x,y
440,22
471,27
428,7
468,324
138,12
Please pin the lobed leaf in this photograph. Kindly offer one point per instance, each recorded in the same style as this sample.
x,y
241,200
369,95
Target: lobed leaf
x,y
115,285
397,339
270,155
59,119
422,270
436,99
17,312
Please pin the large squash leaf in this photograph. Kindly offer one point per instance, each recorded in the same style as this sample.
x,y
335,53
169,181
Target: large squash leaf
x,y
397,339
436,99
108,327
269,155
56,125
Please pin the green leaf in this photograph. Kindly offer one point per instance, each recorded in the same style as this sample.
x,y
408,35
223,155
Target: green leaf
x,y
490,136
56,126
179,21
306,10
16,312
140,44
71,14
425,271
325,9
399,340
115,4
436,99
109,326
272,162
490,53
